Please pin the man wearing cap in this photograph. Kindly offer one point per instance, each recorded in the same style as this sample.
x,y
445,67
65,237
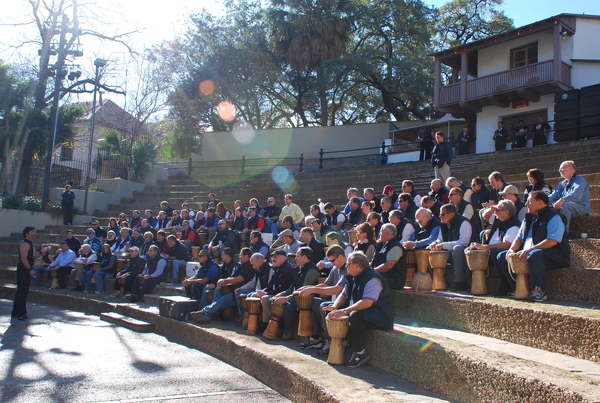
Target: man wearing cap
x,y
388,190
441,157
283,275
290,243
510,192
571,197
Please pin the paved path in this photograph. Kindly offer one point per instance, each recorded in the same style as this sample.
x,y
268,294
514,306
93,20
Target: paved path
x,y
66,356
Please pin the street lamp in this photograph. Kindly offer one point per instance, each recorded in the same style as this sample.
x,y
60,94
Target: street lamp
x,y
98,63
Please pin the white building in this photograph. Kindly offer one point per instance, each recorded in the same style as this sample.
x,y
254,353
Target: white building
x,y
515,75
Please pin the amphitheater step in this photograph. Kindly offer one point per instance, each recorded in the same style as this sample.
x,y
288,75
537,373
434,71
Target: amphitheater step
x,y
130,323
466,367
567,328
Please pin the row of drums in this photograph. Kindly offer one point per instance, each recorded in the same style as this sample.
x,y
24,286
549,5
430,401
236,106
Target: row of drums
x,y
418,278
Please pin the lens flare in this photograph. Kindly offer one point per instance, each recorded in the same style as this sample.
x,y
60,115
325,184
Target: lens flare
x,y
243,133
426,346
284,179
226,111
207,87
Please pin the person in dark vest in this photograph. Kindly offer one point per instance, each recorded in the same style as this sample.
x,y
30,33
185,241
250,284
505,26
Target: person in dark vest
x,y
66,203
208,273
132,269
154,273
439,191
500,137
257,245
271,215
307,236
408,186
369,195
465,209
307,275
25,273
542,241
481,193
334,217
499,238
433,205
428,231
367,300
455,236
408,206
404,227
389,260
441,157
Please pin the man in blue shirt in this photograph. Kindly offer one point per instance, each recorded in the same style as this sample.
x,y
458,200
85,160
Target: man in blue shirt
x,y
571,197
542,242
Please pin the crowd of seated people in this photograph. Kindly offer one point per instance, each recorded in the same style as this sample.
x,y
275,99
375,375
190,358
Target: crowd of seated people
x,y
338,244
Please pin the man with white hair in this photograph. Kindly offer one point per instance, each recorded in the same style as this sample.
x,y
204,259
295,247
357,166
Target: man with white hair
x,y
389,261
452,182
428,232
438,191
571,197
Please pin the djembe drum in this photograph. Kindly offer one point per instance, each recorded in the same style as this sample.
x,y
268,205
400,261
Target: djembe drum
x,y
77,267
54,276
304,308
226,289
210,296
478,264
353,236
243,239
253,312
291,257
337,328
203,237
521,269
411,266
277,314
97,266
245,309
438,260
195,252
422,279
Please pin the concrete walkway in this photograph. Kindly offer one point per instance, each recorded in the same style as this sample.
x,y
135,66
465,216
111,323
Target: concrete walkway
x,y
67,356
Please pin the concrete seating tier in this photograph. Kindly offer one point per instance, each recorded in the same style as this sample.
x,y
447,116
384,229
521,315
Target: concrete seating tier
x,y
464,349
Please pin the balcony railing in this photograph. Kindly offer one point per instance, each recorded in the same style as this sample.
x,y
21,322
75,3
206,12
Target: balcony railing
x,y
509,80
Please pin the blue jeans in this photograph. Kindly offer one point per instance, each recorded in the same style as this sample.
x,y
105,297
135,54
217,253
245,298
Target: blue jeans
x,y
273,226
540,261
38,269
291,312
177,264
204,298
99,276
324,315
219,305
459,261
570,210
146,287
239,303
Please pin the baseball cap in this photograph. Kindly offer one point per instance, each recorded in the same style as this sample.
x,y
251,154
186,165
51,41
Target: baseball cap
x,y
279,253
388,188
509,189
286,232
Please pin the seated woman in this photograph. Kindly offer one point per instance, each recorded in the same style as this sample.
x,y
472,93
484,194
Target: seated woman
x,y
123,217
366,240
223,212
113,225
536,182
132,269
107,269
239,221
185,216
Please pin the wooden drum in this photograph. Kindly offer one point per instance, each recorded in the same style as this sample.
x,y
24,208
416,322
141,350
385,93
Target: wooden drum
x,y
478,264
422,280
226,289
121,264
438,260
521,269
253,312
411,266
243,239
245,309
337,328
195,252
54,276
277,314
304,307
79,266
353,236
203,237
97,267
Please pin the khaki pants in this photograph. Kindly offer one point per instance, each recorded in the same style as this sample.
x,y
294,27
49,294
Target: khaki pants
x,y
442,173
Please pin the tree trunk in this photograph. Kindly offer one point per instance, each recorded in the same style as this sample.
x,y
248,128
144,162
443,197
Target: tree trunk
x,y
19,164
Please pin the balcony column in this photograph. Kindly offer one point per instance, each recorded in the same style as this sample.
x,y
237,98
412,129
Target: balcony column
x,y
438,83
463,76
557,62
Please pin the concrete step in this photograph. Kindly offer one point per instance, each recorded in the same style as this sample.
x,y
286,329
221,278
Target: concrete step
x,y
130,323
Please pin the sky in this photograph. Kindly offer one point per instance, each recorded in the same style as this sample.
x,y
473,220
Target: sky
x,y
158,20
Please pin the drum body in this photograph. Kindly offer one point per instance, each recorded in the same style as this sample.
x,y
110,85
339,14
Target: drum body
x,y
38,262
245,309
411,267
243,239
226,289
478,264
54,276
521,270
277,314
203,237
304,308
353,236
337,328
195,252
438,260
422,280
121,264
253,312
97,266
422,260
210,295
